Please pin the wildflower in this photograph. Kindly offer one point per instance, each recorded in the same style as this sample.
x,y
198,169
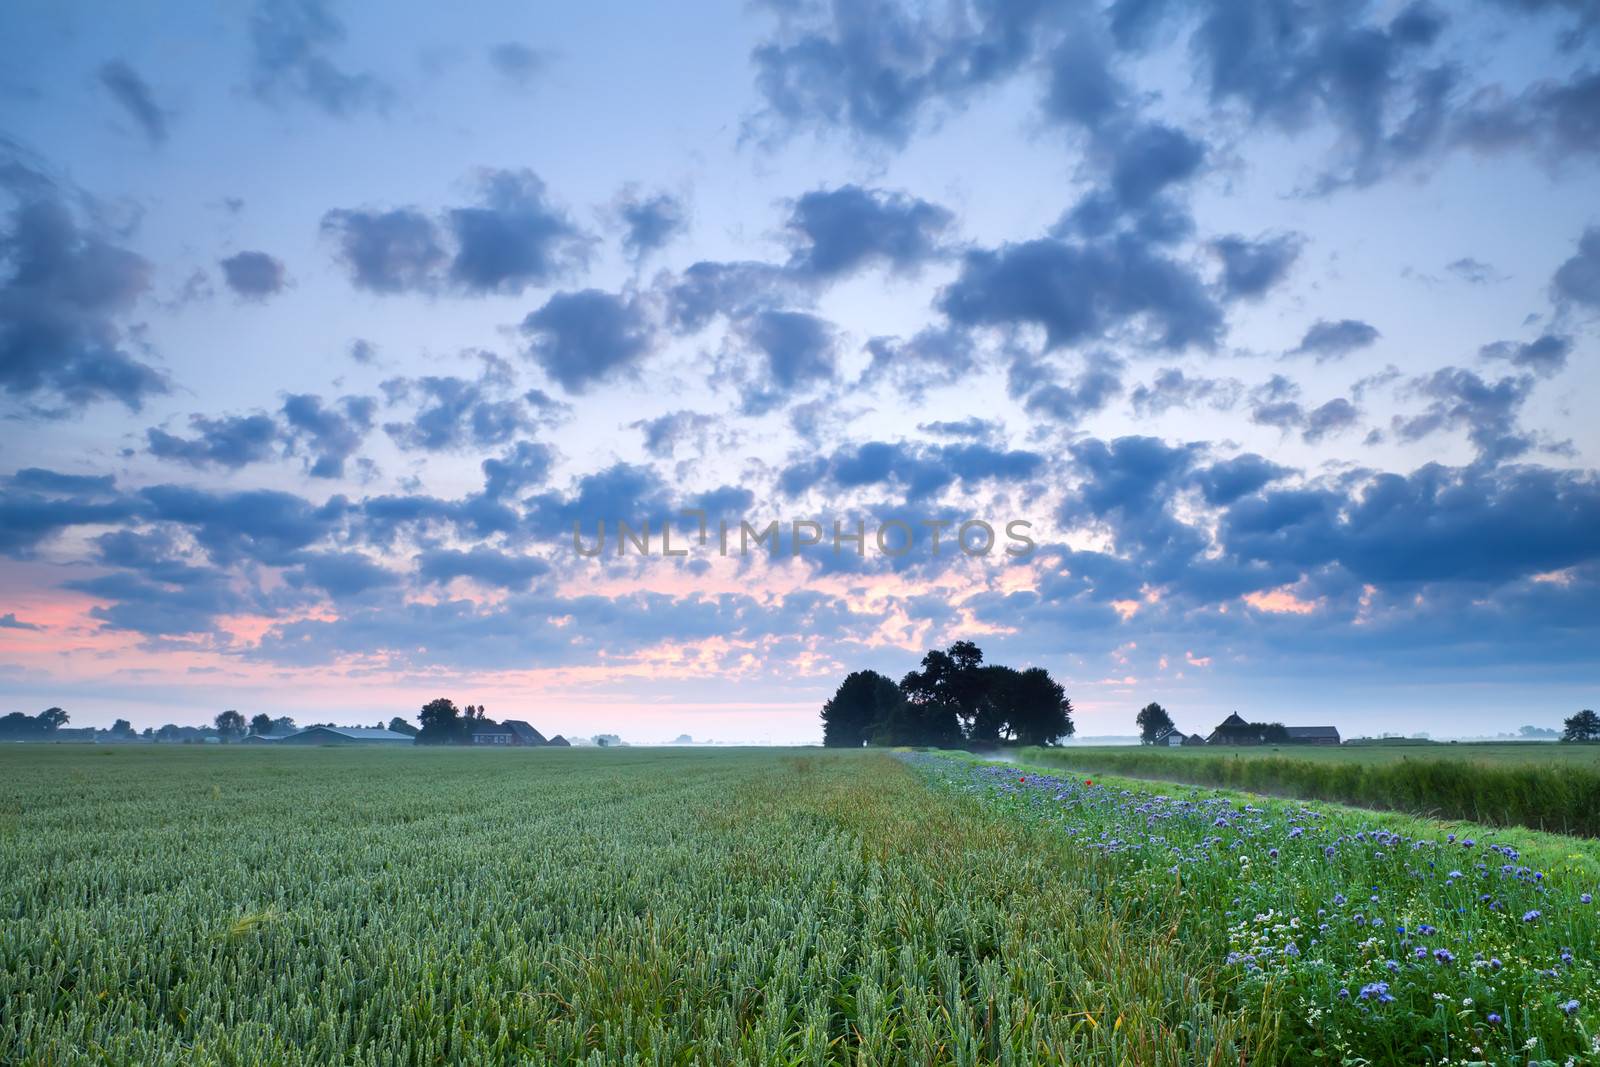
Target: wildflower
x,y
1493,1018
1344,994
1338,898
1378,991
1570,1007
1444,955
1392,966
1272,853
1494,963
1586,898
1530,916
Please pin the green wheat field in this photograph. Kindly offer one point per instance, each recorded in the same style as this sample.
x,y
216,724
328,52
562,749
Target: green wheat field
x,y
336,906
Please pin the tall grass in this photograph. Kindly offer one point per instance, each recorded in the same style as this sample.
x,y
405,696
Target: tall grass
x,y
625,907
1557,798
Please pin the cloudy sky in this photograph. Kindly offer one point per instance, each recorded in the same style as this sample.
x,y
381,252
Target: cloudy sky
x,y
322,324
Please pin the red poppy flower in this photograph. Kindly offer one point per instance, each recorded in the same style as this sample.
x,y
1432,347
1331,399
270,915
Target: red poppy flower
x,y
1087,782
1022,779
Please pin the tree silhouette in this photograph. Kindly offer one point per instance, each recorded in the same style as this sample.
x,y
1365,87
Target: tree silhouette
x,y
1584,726
400,726
1042,714
863,701
53,718
261,723
441,723
122,728
229,724
1154,723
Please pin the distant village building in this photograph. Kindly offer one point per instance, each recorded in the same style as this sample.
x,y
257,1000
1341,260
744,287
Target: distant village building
x,y
523,733
1194,739
560,742
1236,731
1313,735
337,735
489,732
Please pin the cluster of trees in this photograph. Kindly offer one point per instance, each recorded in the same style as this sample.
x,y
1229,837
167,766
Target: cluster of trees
x,y
444,724
1584,726
1154,723
21,727
954,699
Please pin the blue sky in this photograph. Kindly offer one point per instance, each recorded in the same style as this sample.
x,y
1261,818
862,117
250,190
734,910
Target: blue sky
x,y
320,322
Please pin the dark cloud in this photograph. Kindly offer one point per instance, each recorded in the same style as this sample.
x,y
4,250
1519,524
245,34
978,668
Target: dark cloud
x,y
797,351
630,493
836,232
263,525
29,517
1224,482
650,223
290,41
175,600
1250,268
254,275
39,480
974,427
1036,384
1327,340
331,434
486,566
515,239
455,413
1171,388
874,68
664,434
1472,270
1474,524
343,575
1577,281
1290,65
920,472
1488,411
63,292
933,357
583,338
1544,356
1149,159
9,621
525,465
1556,119
387,251
517,63
1130,485
1335,416
130,91
230,442
1086,291
708,289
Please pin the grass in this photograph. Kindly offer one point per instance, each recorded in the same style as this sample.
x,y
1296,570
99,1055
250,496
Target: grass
x,y
1546,786
190,905
334,906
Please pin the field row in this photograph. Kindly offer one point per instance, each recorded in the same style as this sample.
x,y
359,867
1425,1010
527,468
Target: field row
x,y
1543,787
759,907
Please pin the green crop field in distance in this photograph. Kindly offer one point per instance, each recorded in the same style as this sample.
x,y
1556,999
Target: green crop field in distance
x,y
253,906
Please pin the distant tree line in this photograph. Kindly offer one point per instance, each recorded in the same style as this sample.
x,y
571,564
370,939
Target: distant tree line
x,y
20,727
954,699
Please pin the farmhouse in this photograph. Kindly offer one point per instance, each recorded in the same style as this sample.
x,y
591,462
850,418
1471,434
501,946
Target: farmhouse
x,y
1234,731
523,733
341,735
489,732
1313,735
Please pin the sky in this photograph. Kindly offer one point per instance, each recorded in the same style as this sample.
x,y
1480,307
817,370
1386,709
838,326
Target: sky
x,y
323,325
